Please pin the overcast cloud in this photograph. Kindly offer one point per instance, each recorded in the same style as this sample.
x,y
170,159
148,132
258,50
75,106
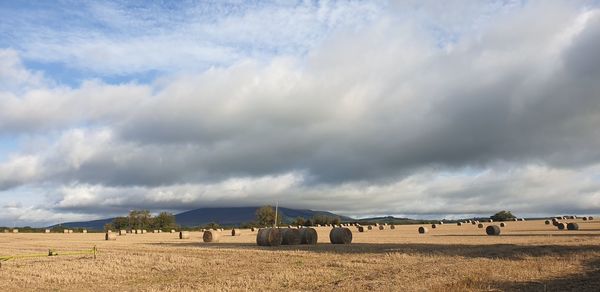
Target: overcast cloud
x,y
357,108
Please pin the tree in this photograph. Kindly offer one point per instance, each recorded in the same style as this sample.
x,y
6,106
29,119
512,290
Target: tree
x,y
503,216
299,221
265,216
164,221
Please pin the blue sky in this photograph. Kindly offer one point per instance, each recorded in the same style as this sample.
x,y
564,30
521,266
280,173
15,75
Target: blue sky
x,y
415,108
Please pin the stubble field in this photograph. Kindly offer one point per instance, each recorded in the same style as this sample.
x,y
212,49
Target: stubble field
x,y
528,256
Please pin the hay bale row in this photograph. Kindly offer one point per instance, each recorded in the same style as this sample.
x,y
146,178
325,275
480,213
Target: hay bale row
x,y
290,236
269,237
340,236
308,236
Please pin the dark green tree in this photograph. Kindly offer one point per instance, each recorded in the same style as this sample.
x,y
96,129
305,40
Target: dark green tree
x,y
265,216
503,216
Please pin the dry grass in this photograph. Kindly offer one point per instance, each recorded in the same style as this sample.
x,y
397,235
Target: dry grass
x,y
526,256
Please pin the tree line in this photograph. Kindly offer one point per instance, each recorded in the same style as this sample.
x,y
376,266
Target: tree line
x,y
142,219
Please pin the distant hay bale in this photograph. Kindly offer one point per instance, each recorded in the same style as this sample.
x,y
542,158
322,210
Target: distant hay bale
x,y
502,224
138,231
515,219
269,237
584,218
110,236
122,232
422,230
70,230
381,227
561,226
210,236
144,231
308,236
6,231
184,234
480,225
492,230
555,223
441,223
47,230
590,218
369,227
573,226
459,223
172,230
433,226
572,217
160,231
84,231
340,236
155,231
66,231
490,220
318,225
252,229
15,230
290,236
474,222
235,232
361,229
392,226
290,226
547,222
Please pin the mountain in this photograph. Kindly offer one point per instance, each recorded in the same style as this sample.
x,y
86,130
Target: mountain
x,y
222,216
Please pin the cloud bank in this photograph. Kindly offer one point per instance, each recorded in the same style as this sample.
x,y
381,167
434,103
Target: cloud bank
x,y
406,110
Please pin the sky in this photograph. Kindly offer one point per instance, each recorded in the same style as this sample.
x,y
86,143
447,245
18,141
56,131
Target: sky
x,y
425,109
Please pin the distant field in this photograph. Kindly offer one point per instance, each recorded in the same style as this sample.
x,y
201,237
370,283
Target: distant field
x,y
527,255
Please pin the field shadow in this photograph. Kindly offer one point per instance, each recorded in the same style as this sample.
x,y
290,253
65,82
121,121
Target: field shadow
x,y
589,280
490,251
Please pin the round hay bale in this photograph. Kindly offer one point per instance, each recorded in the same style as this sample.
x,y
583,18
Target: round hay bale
x,y
210,236
515,219
370,227
381,227
172,230
590,218
235,232
110,236
269,237
441,223
490,220
70,230
502,224
66,231
573,226
561,226
84,231
392,226
252,229
308,236
474,222
290,236
122,232
340,236
433,226
290,226
15,230
459,223
138,231
584,218
361,229
480,225
422,230
547,222
184,234
555,223
47,231
492,230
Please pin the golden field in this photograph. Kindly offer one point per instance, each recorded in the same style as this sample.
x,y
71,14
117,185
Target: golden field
x,y
528,256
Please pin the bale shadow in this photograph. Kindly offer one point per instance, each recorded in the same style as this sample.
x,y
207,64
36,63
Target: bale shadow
x,y
489,251
587,281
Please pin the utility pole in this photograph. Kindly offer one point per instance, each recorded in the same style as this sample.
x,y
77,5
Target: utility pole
x,y
276,207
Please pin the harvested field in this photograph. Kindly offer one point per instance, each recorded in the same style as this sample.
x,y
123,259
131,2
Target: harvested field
x,y
527,255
